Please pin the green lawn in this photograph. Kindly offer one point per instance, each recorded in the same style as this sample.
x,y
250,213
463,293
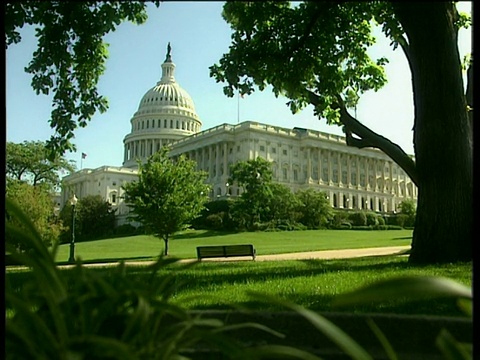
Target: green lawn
x,y
311,283
183,245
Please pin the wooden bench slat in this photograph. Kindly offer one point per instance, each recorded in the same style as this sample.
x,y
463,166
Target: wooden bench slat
x,y
213,251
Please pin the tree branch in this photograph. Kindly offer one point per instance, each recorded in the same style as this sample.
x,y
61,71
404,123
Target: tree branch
x,y
369,138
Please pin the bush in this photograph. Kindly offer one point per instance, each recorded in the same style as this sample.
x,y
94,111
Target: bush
x,y
358,218
125,230
394,227
339,218
371,218
345,226
214,221
364,227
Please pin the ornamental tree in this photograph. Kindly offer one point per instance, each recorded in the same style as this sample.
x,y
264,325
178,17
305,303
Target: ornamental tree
x,y
168,195
255,178
315,53
36,202
315,210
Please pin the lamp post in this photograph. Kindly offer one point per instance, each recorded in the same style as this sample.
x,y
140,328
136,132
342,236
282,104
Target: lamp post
x,y
71,258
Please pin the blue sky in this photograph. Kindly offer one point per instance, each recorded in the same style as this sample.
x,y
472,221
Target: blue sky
x,y
199,36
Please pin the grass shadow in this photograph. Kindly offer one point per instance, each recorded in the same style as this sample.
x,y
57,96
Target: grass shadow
x,y
403,238
196,235
112,260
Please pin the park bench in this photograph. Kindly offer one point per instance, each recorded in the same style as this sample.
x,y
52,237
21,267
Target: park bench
x,y
218,251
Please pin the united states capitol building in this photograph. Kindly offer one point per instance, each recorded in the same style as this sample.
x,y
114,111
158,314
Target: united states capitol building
x,y
301,158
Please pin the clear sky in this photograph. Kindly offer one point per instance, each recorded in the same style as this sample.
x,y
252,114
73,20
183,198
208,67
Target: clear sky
x,y
199,36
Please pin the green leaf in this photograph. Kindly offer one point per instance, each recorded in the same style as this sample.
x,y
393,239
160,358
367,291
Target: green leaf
x,y
282,352
451,348
383,340
333,332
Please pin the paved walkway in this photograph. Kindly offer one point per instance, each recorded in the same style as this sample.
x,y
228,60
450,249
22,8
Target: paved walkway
x,y
325,254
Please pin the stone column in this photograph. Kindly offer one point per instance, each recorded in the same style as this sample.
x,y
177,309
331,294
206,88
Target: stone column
x,y
217,158
357,160
225,162
348,171
330,167
210,161
366,174
383,177
309,165
319,165
339,169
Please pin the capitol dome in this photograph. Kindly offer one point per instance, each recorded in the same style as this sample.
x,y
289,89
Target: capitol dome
x,y
166,113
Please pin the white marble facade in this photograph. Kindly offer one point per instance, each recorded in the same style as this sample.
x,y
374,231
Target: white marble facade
x,y
301,158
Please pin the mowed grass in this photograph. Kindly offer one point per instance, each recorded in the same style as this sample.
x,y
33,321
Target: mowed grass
x,y
183,245
310,283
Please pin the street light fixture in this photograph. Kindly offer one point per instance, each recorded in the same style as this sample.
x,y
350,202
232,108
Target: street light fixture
x,y
73,202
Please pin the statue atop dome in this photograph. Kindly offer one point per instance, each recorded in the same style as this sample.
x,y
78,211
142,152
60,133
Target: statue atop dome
x,y
169,50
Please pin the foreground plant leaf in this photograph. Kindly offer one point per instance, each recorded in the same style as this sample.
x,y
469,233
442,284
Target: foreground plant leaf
x,y
405,287
333,332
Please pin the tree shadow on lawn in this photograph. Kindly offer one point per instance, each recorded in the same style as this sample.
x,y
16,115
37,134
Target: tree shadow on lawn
x,y
226,273
111,260
403,238
323,303
196,235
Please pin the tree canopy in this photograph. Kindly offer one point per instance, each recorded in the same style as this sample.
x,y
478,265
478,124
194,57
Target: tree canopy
x,y
71,55
29,161
316,53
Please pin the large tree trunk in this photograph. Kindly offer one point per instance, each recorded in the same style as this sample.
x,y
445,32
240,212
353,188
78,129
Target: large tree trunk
x,y
442,134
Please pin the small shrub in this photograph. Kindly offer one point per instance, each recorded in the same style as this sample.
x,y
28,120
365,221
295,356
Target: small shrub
x,y
214,221
364,227
358,218
394,227
345,226
371,218
125,230
340,217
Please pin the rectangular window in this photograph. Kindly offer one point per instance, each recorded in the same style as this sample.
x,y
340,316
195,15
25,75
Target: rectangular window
x,y
295,174
284,151
274,150
262,148
285,173
114,198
